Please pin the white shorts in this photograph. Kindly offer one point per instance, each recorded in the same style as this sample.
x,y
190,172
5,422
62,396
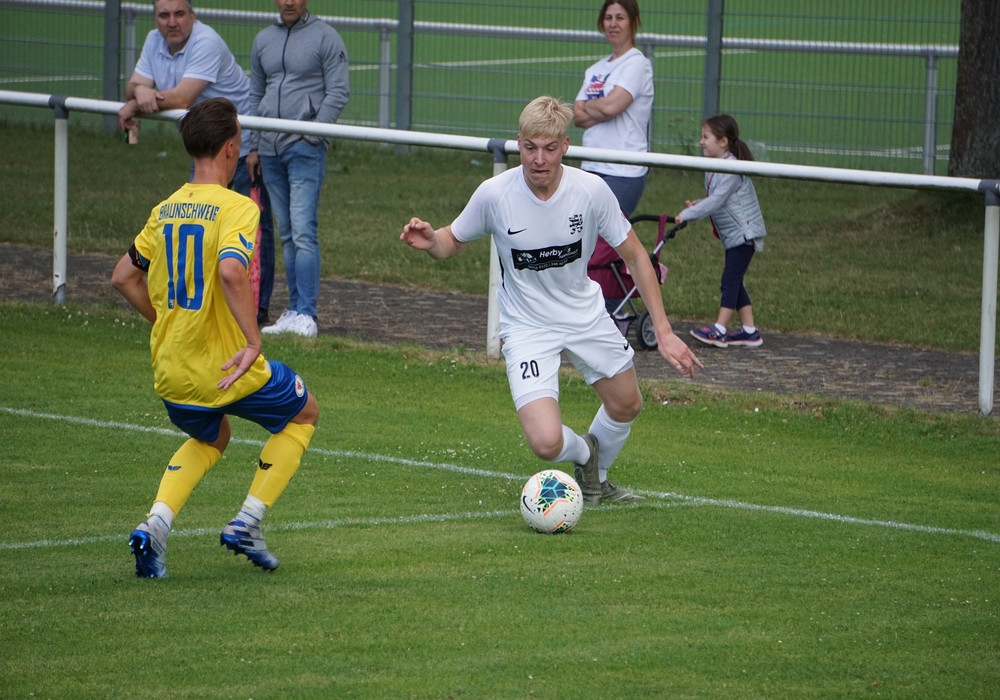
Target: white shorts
x,y
534,356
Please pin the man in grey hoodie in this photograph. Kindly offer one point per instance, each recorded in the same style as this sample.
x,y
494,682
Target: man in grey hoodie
x,y
299,71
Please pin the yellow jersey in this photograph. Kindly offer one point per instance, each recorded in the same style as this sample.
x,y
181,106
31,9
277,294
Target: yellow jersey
x,y
195,333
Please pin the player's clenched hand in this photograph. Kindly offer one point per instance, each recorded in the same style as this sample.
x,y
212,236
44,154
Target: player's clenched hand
x,y
418,234
679,355
239,364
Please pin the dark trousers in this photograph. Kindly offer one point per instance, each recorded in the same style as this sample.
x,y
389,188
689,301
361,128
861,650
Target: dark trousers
x,y
628,190
241,183
734,294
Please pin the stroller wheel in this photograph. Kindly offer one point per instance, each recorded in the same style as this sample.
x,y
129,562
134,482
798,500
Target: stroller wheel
x,y
645,337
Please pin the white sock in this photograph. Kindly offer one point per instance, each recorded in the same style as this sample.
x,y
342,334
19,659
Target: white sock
x,y
721,329
164,512
574,448
749,329
254,508
611,436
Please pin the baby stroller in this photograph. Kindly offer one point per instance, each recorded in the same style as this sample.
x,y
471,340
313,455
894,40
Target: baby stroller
x,y
610,271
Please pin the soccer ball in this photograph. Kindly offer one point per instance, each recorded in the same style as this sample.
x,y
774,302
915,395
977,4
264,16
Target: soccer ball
x,y
551,502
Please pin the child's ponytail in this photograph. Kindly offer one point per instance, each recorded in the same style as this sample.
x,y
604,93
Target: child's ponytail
x,y
723,125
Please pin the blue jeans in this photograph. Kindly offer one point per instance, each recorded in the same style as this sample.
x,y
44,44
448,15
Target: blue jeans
x,y
241,183
294,180
628,190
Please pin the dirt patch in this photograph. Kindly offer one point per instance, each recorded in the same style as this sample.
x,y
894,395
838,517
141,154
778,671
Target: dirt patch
x,y
785,364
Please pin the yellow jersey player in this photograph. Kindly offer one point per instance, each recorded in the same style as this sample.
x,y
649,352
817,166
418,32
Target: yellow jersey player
x,y
187,273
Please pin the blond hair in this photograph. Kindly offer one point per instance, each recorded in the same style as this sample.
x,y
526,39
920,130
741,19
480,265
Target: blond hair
x,y
545,117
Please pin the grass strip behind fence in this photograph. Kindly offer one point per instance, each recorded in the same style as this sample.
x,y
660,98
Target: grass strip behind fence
x,y
852,261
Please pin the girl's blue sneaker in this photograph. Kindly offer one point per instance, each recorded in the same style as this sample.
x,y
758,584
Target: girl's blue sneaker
x,y
710,335
741,337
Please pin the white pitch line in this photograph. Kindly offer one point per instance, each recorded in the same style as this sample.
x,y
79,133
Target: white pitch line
x,y
487,63
319,525
293,526
367,67
50,79
460,469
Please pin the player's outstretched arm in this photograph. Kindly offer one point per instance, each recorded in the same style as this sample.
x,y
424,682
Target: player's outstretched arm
x,y
439,244
678,354
671,348
239,298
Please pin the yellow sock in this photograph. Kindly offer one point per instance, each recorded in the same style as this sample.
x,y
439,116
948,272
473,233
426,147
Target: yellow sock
x,y
279,460
188,465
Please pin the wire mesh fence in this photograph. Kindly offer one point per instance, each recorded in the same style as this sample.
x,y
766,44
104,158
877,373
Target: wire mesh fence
x,y
857,83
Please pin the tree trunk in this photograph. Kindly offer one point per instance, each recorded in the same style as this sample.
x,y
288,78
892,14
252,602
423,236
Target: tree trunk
x,y
975,135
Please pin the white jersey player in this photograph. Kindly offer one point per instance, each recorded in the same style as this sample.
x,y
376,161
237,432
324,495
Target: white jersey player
x,y
545,218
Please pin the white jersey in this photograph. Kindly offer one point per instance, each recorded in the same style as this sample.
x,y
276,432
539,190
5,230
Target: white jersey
x,y
633,72
544,246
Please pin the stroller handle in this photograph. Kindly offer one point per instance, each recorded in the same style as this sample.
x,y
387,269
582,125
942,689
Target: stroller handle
x,y
663,235
662,219
652,217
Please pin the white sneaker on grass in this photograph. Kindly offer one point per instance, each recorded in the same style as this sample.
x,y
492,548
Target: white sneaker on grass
x,y
282,325
303,325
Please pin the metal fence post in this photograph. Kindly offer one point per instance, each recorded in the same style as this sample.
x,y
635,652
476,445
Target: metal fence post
x,y
988,323
649,51
112,62
131,43
404,69
497,148
61,190
713,58
384,77
930,116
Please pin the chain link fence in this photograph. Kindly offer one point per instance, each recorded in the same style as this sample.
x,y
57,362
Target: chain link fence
x,y
857,83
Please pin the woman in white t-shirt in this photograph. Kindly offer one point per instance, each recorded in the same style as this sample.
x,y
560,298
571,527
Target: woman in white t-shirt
x,y
615,102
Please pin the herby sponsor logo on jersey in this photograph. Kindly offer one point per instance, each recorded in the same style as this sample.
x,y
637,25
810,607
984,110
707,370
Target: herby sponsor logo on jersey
x,y
547,258
553,256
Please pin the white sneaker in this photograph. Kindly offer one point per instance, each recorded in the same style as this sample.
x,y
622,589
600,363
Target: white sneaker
x,y
282,325
303,325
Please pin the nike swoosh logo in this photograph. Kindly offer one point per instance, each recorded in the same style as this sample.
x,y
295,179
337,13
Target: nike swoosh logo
x,y
511,233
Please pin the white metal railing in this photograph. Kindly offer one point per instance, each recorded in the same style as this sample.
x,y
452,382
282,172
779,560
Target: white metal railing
x,y
387,27
500,147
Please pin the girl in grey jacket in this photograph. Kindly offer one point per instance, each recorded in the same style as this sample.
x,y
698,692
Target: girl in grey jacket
x,y
731,204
